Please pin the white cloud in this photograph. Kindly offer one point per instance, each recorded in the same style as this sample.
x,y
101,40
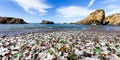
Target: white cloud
x,y
33,6
113,6
113,11
73,11
91,3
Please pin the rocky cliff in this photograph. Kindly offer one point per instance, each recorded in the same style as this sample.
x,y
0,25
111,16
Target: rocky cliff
x,y
112,19
11,20
95,17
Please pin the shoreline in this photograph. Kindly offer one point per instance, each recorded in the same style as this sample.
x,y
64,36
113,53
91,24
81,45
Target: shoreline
x,y
62,45
12,33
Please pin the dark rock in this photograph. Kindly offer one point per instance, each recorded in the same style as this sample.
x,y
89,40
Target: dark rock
x,y
72,23
87,54
47,22
118,55
3,36
65,23
109,49
11,20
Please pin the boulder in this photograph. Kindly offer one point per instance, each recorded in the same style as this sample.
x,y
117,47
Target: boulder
x,y
95,18
47,22
11,20
112,19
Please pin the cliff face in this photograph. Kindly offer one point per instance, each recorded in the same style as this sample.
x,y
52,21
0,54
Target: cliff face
x,y
95,17
112,19
11,20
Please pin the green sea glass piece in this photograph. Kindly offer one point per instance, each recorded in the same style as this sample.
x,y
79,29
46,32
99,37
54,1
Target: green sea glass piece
x,y
97,50
50,51
16,55
72,56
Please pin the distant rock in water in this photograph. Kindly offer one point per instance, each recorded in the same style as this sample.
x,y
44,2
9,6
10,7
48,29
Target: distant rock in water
x,y
11,20
112,19
47,22
95,18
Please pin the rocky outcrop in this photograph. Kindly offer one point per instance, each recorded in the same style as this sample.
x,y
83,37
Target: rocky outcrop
x,y
95,18
11,20
112,19
47,22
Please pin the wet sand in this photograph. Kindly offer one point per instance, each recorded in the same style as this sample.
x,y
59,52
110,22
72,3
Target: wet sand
x,y
62,45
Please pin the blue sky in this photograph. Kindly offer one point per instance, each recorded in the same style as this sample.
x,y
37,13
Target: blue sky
x,y
59,11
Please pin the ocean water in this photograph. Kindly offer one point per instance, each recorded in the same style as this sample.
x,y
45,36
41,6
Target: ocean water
x,y
9,29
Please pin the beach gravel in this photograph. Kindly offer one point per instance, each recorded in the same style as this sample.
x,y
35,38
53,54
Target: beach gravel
x,y
61,45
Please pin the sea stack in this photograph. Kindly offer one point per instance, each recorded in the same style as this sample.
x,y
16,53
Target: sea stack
x,y
94,18
11,20
47,22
